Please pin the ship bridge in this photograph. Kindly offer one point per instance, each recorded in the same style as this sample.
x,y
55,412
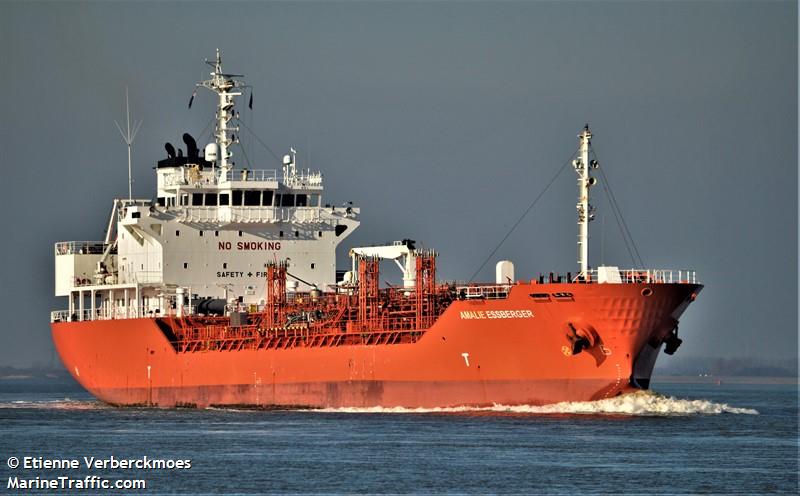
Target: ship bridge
x,y
196,191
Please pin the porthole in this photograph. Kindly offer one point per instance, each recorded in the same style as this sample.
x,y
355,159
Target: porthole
x,y
647,292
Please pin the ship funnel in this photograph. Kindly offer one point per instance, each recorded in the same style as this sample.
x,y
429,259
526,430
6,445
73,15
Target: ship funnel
x,y
191,146
170,149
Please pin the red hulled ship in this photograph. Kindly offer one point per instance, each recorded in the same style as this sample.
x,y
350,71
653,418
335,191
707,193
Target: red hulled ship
x,y
223,291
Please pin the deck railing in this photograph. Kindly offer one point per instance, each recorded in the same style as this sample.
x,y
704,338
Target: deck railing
x,y
80,248
626,276
138,277
495,292
113,313
301,179
252,175
652,276
249,214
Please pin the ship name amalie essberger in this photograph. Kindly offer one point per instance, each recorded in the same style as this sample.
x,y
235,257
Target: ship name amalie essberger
x,y
224,291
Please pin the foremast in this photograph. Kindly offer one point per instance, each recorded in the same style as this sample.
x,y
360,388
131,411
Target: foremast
x,y
227,88
582,166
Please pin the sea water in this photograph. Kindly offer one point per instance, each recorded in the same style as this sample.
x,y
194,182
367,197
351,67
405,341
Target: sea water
x,y
679,438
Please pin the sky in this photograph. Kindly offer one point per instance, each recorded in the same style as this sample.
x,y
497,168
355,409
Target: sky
x,y
442,121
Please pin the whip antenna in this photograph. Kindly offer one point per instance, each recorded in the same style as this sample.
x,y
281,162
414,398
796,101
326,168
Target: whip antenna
x,y
128,136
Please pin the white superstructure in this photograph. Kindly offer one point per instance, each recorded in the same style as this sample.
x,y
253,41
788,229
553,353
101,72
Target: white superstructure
x,y
208,233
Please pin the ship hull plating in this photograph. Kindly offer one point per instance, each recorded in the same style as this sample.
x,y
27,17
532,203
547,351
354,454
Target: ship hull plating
x,y
510,351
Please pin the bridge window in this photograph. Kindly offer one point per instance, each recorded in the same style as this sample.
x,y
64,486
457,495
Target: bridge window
x,y
277,200
225,265
185,265
201,234
340,228
313,200
197,199
287,200
266,199
280,234
312,265
184,200
211,199
297,234
252,198
177,233
160,201
216,233
224,199
320,234
237,198
301,200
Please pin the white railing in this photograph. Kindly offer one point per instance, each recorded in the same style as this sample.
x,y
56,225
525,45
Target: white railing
x,y
301,215
651,276
141,202
300,179
80,248
495,292
59,316
246,215
304,179
114,313
252,175
140,277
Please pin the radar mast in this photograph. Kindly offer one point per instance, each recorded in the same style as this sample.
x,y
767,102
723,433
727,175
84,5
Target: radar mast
x,y
227,88
582,166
